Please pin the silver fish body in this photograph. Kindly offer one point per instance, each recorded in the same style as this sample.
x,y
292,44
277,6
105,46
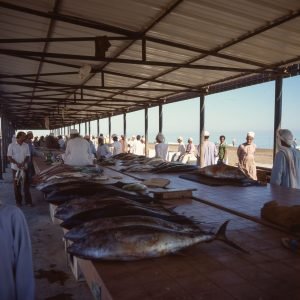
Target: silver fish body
x,y
90,227
134,243
79,205
117,210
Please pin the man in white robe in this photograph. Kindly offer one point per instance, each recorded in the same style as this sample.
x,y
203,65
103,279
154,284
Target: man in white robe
x,y
210,151
161,149
138,147
78,151
245,153
180,150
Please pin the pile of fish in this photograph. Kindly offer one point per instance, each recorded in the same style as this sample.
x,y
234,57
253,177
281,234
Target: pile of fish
x,y
107,222
220,174
137,163
64,171
121,228
61,183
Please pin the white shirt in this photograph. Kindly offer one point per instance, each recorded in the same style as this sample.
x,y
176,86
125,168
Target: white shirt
x,y
139,148
161,150
117,147
78,152
18,153
210,153
61,143
181,148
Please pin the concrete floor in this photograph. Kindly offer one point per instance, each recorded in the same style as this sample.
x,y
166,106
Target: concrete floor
x,y
54,279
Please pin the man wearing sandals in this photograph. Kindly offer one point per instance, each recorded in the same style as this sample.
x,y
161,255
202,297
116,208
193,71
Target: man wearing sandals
x,y
286,172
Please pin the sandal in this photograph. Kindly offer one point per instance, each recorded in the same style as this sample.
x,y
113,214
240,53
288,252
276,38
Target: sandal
x,y
292,244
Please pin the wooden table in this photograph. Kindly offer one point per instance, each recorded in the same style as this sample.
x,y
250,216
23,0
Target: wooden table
x,y
207,270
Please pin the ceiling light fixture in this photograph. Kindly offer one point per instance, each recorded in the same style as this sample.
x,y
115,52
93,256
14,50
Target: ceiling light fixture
x,y
102,44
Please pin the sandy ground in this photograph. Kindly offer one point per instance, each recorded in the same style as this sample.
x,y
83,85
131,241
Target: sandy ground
x,y
53,277
263,157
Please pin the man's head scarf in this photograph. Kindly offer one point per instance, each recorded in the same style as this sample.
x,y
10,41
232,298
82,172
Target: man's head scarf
x,y
286,136
160,138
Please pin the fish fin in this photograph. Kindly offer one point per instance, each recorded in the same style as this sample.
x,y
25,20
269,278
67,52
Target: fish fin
x,y
221,236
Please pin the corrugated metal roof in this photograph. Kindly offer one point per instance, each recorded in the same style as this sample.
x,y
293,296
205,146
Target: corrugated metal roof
x,y
160,51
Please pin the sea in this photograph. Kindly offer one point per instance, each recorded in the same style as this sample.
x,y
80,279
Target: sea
x,y
263,138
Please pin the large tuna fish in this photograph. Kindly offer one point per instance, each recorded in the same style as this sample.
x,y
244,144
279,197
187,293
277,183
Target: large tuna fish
x,y
137,242
220,174
53,184
60,197
223,171
87,228
76,206
115,211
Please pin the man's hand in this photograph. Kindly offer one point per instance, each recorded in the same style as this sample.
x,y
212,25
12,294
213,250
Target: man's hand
x,y
21,166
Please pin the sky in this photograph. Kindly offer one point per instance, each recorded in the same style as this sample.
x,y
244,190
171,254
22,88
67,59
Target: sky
x,y
240,110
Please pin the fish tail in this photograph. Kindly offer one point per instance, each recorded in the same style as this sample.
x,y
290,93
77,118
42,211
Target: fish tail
x,y
221,236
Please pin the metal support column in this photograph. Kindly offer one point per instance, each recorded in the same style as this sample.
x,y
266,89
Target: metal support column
x,y
89,128
146,132
160,109
125,126
1,159
277,112
109,127
79,127
98,127
5,142
200,160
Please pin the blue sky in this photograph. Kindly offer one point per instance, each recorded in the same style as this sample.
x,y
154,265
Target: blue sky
x,y
244,109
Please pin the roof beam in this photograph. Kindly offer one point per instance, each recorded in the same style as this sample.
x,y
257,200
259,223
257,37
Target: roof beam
x,y
64,39
76,102
91,87
34,74
143,38
45,48
70,19
130,34
94,70
126,61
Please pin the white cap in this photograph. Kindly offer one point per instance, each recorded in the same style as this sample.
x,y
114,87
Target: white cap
x,y
74,131
206,133
190,139
180,138
251,134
